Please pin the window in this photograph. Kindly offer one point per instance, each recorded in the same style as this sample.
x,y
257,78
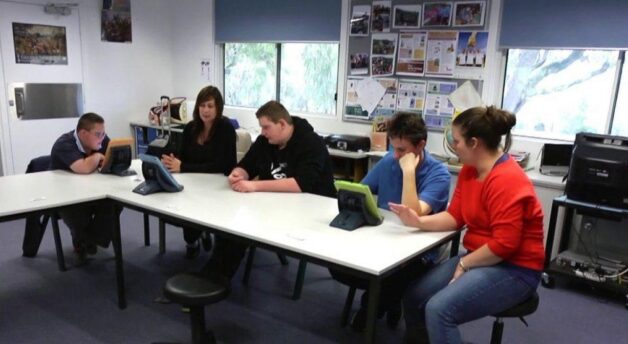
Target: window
x,y
302,76
620,118
558,93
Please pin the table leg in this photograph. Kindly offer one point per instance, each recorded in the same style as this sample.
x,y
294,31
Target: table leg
x,y
117,249
373,303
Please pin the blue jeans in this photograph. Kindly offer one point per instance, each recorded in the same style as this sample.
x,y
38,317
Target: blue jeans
x,y
432,304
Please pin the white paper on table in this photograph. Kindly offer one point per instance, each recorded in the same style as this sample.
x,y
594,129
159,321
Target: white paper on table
x,y
465,97
369,93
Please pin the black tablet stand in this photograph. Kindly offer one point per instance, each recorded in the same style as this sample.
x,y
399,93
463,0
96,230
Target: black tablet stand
x,y
353,212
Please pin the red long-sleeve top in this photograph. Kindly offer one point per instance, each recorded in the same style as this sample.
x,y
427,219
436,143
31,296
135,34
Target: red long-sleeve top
x,y
501,211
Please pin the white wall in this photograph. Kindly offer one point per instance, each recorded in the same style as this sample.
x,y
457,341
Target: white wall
x,y
121,80
169,40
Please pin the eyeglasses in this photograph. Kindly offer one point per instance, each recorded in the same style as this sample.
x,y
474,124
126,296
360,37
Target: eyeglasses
x,y
98,134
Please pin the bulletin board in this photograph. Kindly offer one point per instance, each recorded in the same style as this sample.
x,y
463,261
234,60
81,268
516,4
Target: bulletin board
x,y
406,55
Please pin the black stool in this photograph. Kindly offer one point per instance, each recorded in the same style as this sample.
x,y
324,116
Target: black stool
x,y
195,291
521,310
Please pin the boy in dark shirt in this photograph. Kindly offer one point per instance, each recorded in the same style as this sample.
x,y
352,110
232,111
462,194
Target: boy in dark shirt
x,y
82,151
287,157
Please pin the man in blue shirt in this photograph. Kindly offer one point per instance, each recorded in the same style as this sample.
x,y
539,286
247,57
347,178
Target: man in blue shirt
x,y
411,176
82,151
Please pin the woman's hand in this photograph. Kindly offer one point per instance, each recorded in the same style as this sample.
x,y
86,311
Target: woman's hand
x,y
171,162
457,273
408,216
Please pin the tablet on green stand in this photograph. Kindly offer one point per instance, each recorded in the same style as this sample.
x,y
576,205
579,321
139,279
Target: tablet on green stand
x,y
371,205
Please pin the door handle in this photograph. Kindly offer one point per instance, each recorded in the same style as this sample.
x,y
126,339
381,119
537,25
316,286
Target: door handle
x,y
19,102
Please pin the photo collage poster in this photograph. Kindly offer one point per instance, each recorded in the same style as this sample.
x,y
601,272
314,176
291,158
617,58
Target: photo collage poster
x,y
413,46
40,44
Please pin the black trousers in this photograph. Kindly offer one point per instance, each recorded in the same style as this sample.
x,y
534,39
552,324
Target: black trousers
x,y
90,223
392,287
226,257
191,235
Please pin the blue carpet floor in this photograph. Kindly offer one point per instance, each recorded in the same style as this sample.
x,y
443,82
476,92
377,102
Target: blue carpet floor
x,y
39,304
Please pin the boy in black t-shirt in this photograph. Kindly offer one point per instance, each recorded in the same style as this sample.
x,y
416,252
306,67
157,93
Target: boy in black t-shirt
x,y
287,157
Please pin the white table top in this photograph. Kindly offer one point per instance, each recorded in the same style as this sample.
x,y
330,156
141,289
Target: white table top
x,y
295,222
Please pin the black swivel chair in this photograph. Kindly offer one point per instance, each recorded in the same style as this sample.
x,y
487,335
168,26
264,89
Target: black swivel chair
x,y
521,310
195,291
36,224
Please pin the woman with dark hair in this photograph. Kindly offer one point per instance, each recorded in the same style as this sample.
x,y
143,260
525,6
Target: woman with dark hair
x,y
208,146
504,240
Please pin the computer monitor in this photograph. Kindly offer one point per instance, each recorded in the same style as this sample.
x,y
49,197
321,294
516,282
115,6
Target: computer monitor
x,y
598,170
156,177
555,159
118,157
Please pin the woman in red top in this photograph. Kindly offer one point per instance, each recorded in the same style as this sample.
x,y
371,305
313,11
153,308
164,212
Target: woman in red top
x,y
504,240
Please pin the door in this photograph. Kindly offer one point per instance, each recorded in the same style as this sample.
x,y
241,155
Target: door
x,y
27,138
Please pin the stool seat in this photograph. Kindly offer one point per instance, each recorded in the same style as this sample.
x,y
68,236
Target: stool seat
x,y
196,290
526,307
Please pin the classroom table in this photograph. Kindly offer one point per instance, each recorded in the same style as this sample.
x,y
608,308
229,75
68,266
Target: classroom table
x,y
296,224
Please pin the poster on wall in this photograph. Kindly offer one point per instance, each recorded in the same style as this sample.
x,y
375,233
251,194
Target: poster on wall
x,y
407,17
411,55
411,96
360,20
469,13
388,102
438,110
359,63
441,53
40,44
471,54
116,21
436,14
383,49
381,16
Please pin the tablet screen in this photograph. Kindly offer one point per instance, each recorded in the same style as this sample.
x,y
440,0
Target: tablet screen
x,y
371,206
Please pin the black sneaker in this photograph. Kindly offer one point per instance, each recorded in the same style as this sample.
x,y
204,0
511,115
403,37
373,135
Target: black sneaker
x,y
192,250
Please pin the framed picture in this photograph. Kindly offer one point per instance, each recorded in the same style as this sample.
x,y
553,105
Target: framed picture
x,y
407,17
40,44
469,13
437,14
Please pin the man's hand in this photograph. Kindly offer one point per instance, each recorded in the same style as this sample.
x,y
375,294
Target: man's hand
x,y
171,162
238,174
244,186
409,162
408,216
98,159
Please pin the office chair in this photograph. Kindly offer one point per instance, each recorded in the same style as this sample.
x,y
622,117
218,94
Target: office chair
x,y
36,224
525,308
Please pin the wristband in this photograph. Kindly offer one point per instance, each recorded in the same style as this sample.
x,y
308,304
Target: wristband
x,y
464,267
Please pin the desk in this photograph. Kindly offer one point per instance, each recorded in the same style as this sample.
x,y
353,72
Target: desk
x,y
273,220
552,266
